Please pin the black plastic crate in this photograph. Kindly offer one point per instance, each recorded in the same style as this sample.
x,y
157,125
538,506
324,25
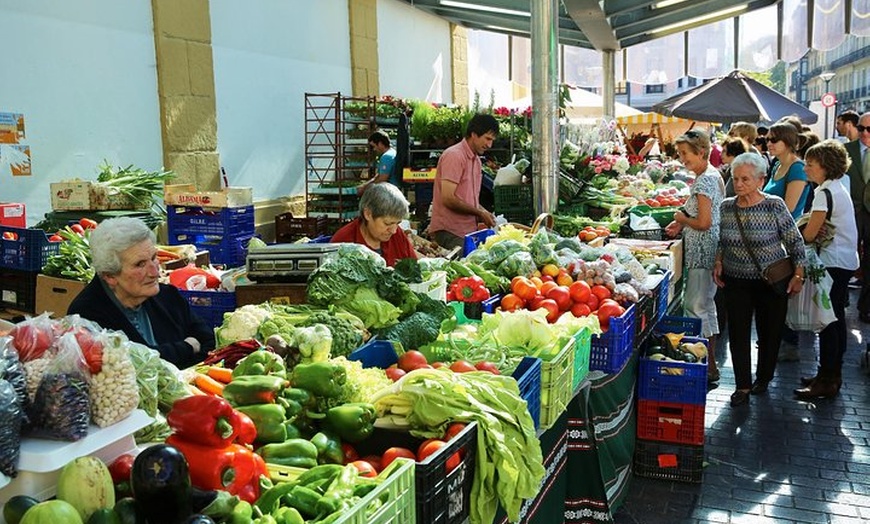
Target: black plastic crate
x,y
289,228
665,461
514,202
25,249
18,290
442,497
644,234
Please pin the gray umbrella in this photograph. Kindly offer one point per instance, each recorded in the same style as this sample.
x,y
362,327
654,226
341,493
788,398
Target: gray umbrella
x,y
733,98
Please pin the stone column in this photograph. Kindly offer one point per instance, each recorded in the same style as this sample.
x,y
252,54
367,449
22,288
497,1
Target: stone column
x,y
459,64
363,23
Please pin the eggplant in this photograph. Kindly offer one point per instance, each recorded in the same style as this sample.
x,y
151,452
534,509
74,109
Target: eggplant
x,y
161,485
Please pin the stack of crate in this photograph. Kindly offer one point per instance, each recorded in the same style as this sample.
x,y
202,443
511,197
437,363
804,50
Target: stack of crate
x,y
23,252
670,411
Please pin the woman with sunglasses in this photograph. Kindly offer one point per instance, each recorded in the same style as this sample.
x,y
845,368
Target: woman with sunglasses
x,y
789,180
698,221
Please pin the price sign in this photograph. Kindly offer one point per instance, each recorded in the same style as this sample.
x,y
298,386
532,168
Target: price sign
x,y
828,99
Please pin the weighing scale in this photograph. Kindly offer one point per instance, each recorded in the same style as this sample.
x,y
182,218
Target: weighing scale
x,y
288,262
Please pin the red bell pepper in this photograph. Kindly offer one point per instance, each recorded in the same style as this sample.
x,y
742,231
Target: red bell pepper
x,y
210,421
235,468
469,289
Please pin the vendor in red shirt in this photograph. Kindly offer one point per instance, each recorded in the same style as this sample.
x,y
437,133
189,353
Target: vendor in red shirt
x,y
381,208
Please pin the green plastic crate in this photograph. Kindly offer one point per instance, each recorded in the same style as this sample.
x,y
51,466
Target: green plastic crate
x,y
662,215
556,384
400,506
582,352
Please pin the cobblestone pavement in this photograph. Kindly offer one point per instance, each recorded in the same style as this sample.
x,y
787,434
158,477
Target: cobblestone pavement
x,y
776,460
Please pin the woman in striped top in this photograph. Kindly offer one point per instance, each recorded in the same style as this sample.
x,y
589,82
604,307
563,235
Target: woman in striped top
x,y
772,235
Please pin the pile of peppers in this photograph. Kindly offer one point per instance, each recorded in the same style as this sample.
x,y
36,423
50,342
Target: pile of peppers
x,y
468,289
214,439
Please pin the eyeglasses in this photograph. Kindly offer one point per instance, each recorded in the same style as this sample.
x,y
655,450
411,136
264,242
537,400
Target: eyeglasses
x,y
772,139
861,128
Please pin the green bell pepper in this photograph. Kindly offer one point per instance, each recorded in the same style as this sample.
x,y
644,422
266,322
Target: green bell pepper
x,y
269,500
287,515
353,422
260,362
253,389
295,452
269,420
328,448
338,496
266,519
303,499
321,379
296,401
318,473
243,513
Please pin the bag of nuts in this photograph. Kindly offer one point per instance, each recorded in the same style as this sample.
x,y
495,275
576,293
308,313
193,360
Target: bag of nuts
x,y
114,390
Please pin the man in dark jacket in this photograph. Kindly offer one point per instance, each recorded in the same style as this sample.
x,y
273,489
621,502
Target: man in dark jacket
x,y
859,175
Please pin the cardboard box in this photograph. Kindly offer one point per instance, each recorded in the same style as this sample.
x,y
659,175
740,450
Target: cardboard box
x,y
55,294
82,195
187,195
13,215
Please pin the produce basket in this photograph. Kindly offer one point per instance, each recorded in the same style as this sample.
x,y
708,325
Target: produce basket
x,y
376,354
659,460
556,384
673,381
435,287
662,215
661,296
25,249
210,305
441,496
229,251
289,228
645,320
612,349
582,351
670,422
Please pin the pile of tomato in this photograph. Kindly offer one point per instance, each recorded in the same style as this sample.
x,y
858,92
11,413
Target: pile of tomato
x,y
590,233
371,465
412,359
668,197
577,298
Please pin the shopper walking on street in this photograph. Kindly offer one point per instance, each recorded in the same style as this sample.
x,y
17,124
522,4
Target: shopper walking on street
x,y
698,221
859,175
456,208
754,227
825,164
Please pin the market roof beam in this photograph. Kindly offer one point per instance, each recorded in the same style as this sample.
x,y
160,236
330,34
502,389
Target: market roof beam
x,y
593,22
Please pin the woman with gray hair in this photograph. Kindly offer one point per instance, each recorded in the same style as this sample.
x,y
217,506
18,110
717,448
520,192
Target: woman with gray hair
x,y
125,295
756,231
381,208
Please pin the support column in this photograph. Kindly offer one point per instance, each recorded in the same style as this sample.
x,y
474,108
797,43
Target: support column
x,y
365,69
459,64
608,70
545,101
185,86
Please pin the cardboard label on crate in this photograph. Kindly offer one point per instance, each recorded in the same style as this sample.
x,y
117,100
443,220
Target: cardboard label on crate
x,y
187,195
13,215
418,175
668,461
82,195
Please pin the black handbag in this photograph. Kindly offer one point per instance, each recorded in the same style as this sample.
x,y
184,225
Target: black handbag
x,y
776,275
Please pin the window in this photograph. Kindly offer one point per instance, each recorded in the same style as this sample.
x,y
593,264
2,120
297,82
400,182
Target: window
x,y
652,89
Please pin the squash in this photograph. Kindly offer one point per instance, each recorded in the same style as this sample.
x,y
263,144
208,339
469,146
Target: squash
x,y
54,511
87,485
16,507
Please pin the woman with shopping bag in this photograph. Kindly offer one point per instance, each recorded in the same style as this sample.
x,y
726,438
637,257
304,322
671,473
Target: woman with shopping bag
x,y
826,163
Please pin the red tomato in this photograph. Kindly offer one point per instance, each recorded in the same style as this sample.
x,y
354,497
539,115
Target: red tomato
x,y
374,460
600,291
77,228
395,374
524,288
548,286
580,309
483,365
552,308
87,223
411,360
592,302
453,462
453,430
10,235
579,291
512,302
429,447
653,203
562,296
535,302
462,366
392,454
545,279
439,365
350,453
121,468
608,310
365,468
55,238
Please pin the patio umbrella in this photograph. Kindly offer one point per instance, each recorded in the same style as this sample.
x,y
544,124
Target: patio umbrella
x,y
584,105
733,98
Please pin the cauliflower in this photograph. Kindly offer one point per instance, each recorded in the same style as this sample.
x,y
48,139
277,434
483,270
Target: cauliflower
x,y
241,324
314,343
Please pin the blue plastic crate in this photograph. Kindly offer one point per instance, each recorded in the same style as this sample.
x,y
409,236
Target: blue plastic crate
x,y
689,326
25,249
229,251
472,240
661,295
375,354
322,239
226,221
612,349
210,306
673,381
528,377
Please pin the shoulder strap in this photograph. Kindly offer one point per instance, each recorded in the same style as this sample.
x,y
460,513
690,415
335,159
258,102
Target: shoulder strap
x,y
830,200
745,242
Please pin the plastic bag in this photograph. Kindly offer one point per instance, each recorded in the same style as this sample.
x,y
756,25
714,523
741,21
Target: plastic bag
x,y
62,407
517,264
11,419
34,336
114,389
502,250
148,369
811,309
12,371
542,251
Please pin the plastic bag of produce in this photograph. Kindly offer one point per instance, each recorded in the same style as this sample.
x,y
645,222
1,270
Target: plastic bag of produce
x,y
500,251
34,336
517,264
62,407
114,388
11,418
542,251
12,371
480,256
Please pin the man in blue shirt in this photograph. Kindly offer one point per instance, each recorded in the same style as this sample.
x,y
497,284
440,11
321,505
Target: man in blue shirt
x,y
379,142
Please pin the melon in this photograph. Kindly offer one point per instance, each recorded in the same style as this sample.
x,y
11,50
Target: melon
x,y
87,485
53,511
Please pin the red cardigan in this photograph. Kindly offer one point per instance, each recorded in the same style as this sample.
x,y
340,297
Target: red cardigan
x,y
393,250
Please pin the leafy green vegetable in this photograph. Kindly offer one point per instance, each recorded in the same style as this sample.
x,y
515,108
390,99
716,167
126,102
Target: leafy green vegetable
x,y
345,337
413,332
374,311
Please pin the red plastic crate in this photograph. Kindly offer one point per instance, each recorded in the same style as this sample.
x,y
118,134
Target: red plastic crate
x,y
670,422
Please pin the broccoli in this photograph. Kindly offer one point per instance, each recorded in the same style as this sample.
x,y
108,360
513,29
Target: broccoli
x,y
345,336
415,331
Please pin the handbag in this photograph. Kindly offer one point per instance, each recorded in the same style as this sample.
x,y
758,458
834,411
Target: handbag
x,y
776,275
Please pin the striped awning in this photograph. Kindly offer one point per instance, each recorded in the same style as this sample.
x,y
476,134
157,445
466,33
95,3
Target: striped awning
x,y
651,118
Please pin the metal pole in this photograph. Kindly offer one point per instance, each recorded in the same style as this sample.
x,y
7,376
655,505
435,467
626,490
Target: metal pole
x,y
545,119
827,109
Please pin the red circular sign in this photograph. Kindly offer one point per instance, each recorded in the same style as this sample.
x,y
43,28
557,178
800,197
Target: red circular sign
x,y
828,99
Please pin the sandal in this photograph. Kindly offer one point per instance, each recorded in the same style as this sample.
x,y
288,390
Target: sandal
x,y
738,398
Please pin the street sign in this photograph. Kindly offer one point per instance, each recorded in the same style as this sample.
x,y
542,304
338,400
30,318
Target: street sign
x,y
828,99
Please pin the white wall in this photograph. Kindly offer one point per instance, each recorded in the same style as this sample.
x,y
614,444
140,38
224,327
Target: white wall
x,y
267,55
413,53
84,75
